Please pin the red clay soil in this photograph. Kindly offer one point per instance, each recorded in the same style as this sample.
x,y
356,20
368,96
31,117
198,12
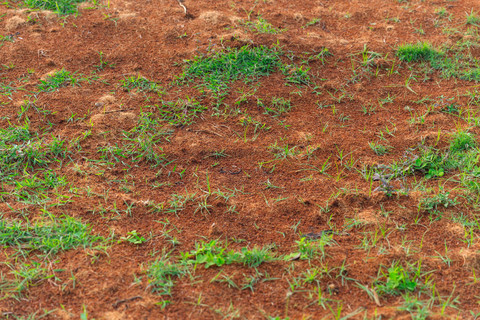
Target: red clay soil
x,y
153,38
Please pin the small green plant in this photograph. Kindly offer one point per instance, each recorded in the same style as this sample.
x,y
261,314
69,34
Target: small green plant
x,y
162,273
430,163
296,74
134,237
102,64
312,22
213,253
312,248
473,19
396,280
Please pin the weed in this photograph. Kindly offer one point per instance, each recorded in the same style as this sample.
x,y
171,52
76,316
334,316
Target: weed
x,y
296,74
312,22
309,249
473,19
134,237
212,253
397,280
162,272
432,203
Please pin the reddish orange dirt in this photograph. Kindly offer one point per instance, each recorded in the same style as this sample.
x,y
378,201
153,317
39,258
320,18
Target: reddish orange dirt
x,y
152,39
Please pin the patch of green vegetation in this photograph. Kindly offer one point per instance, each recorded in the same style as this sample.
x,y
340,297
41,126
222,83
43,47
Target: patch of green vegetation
x,y
214,253
420,51
313,248
24,275
181,112
61,7
163,271
462,141
21,149
277,107
219,68
61,78
296,74
49,235
34,188
139,83
262,26
441,199
454,62
462,155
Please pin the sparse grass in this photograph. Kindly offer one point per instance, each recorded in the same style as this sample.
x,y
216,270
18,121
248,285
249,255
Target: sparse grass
x,y
140,143
49,235
277,107
139,83
181,112
462,141
262,26
162,273
22,149
379,149
246,142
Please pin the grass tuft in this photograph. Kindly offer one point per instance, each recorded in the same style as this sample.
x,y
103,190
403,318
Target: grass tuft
x,y
421,51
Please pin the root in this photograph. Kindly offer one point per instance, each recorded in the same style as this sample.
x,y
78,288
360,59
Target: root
x,y
180,2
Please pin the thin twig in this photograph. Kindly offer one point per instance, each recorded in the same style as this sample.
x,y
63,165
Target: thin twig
x,y
118,302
